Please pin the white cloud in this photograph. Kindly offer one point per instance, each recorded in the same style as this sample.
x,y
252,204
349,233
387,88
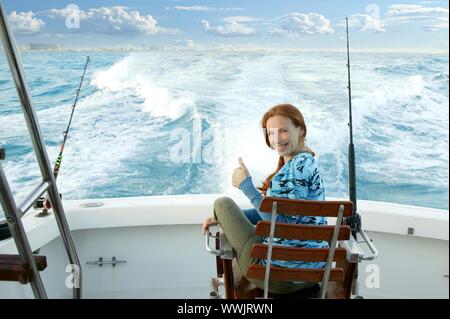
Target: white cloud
x,y
365,22
52,35
193,8
414,11
24,23
112,20
434,18
232,28
203,8
239,19
431,18
301,23
287,25
436,26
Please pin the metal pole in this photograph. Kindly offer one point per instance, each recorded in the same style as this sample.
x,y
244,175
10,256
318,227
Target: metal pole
x,y
326,275
19,235
273,220
38,141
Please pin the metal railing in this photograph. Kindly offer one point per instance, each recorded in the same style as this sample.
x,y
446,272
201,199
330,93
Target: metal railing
x,y
13,212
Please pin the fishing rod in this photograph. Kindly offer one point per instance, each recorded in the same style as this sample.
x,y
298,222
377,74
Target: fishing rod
x,y
66,132
355,220
43,202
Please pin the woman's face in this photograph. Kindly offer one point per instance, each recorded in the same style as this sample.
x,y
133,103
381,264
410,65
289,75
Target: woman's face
x,y
283,135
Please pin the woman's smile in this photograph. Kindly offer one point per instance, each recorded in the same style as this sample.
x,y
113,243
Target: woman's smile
x,y
282,147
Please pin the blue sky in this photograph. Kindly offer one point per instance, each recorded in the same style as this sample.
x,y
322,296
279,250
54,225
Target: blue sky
x,y
275,24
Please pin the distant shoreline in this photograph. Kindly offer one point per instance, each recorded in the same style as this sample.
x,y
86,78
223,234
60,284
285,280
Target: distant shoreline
x,y
231,50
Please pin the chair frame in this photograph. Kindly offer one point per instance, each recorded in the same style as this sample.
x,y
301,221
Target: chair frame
x,y
342,289
326,276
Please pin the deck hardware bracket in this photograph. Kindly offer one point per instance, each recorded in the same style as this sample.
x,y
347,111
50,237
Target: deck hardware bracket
x,y
100,262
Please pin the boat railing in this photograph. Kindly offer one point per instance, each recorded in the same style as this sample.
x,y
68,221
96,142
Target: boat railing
x,y
13,212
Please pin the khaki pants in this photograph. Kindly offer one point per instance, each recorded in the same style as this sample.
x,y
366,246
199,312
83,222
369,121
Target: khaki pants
x,y
241,235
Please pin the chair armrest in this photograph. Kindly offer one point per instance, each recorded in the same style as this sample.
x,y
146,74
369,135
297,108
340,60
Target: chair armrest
x,y
354,252
225,251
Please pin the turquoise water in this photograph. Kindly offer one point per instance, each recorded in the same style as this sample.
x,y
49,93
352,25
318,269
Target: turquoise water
x,y
134,109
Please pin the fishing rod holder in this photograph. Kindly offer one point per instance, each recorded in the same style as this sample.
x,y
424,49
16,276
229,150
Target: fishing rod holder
x,y
354,222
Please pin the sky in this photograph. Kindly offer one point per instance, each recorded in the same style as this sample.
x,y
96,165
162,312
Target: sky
x,y
385,25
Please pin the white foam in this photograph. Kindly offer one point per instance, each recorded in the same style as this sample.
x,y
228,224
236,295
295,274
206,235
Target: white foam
x,y
130,76
409,117
100,139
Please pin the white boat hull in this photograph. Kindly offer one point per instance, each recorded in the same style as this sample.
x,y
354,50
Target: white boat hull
x,y
161,241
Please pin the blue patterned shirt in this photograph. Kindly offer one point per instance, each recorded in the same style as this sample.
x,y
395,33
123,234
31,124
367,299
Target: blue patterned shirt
x,y
298,179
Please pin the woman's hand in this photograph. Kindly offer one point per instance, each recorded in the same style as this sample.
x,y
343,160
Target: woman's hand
x,y
239,174
210,221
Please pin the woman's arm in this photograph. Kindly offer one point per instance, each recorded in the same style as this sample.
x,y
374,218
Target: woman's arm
x,y
251,192
254,196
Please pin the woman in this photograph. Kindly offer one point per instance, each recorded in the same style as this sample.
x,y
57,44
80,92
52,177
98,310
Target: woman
x,y
296,177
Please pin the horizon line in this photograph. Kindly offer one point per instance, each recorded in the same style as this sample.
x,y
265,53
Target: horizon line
x,y
170,49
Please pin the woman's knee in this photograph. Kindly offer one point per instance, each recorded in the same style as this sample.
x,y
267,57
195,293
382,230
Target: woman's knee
x,y
222,206
222,202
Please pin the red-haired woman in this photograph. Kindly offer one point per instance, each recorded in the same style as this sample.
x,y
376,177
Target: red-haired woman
x,y
296,177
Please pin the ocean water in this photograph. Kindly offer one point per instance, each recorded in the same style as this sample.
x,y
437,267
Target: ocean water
x,y
162,123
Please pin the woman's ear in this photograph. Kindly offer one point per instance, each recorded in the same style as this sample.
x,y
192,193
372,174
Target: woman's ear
x,y
301,132
301,139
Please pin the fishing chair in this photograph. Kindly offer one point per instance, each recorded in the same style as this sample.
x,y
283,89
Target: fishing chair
x,y
335,281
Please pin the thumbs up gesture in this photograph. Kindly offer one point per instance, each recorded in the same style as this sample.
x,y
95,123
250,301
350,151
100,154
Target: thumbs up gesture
x,y
239,174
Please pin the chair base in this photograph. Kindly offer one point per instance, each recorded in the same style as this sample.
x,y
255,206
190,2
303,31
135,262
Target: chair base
x,y
244,289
